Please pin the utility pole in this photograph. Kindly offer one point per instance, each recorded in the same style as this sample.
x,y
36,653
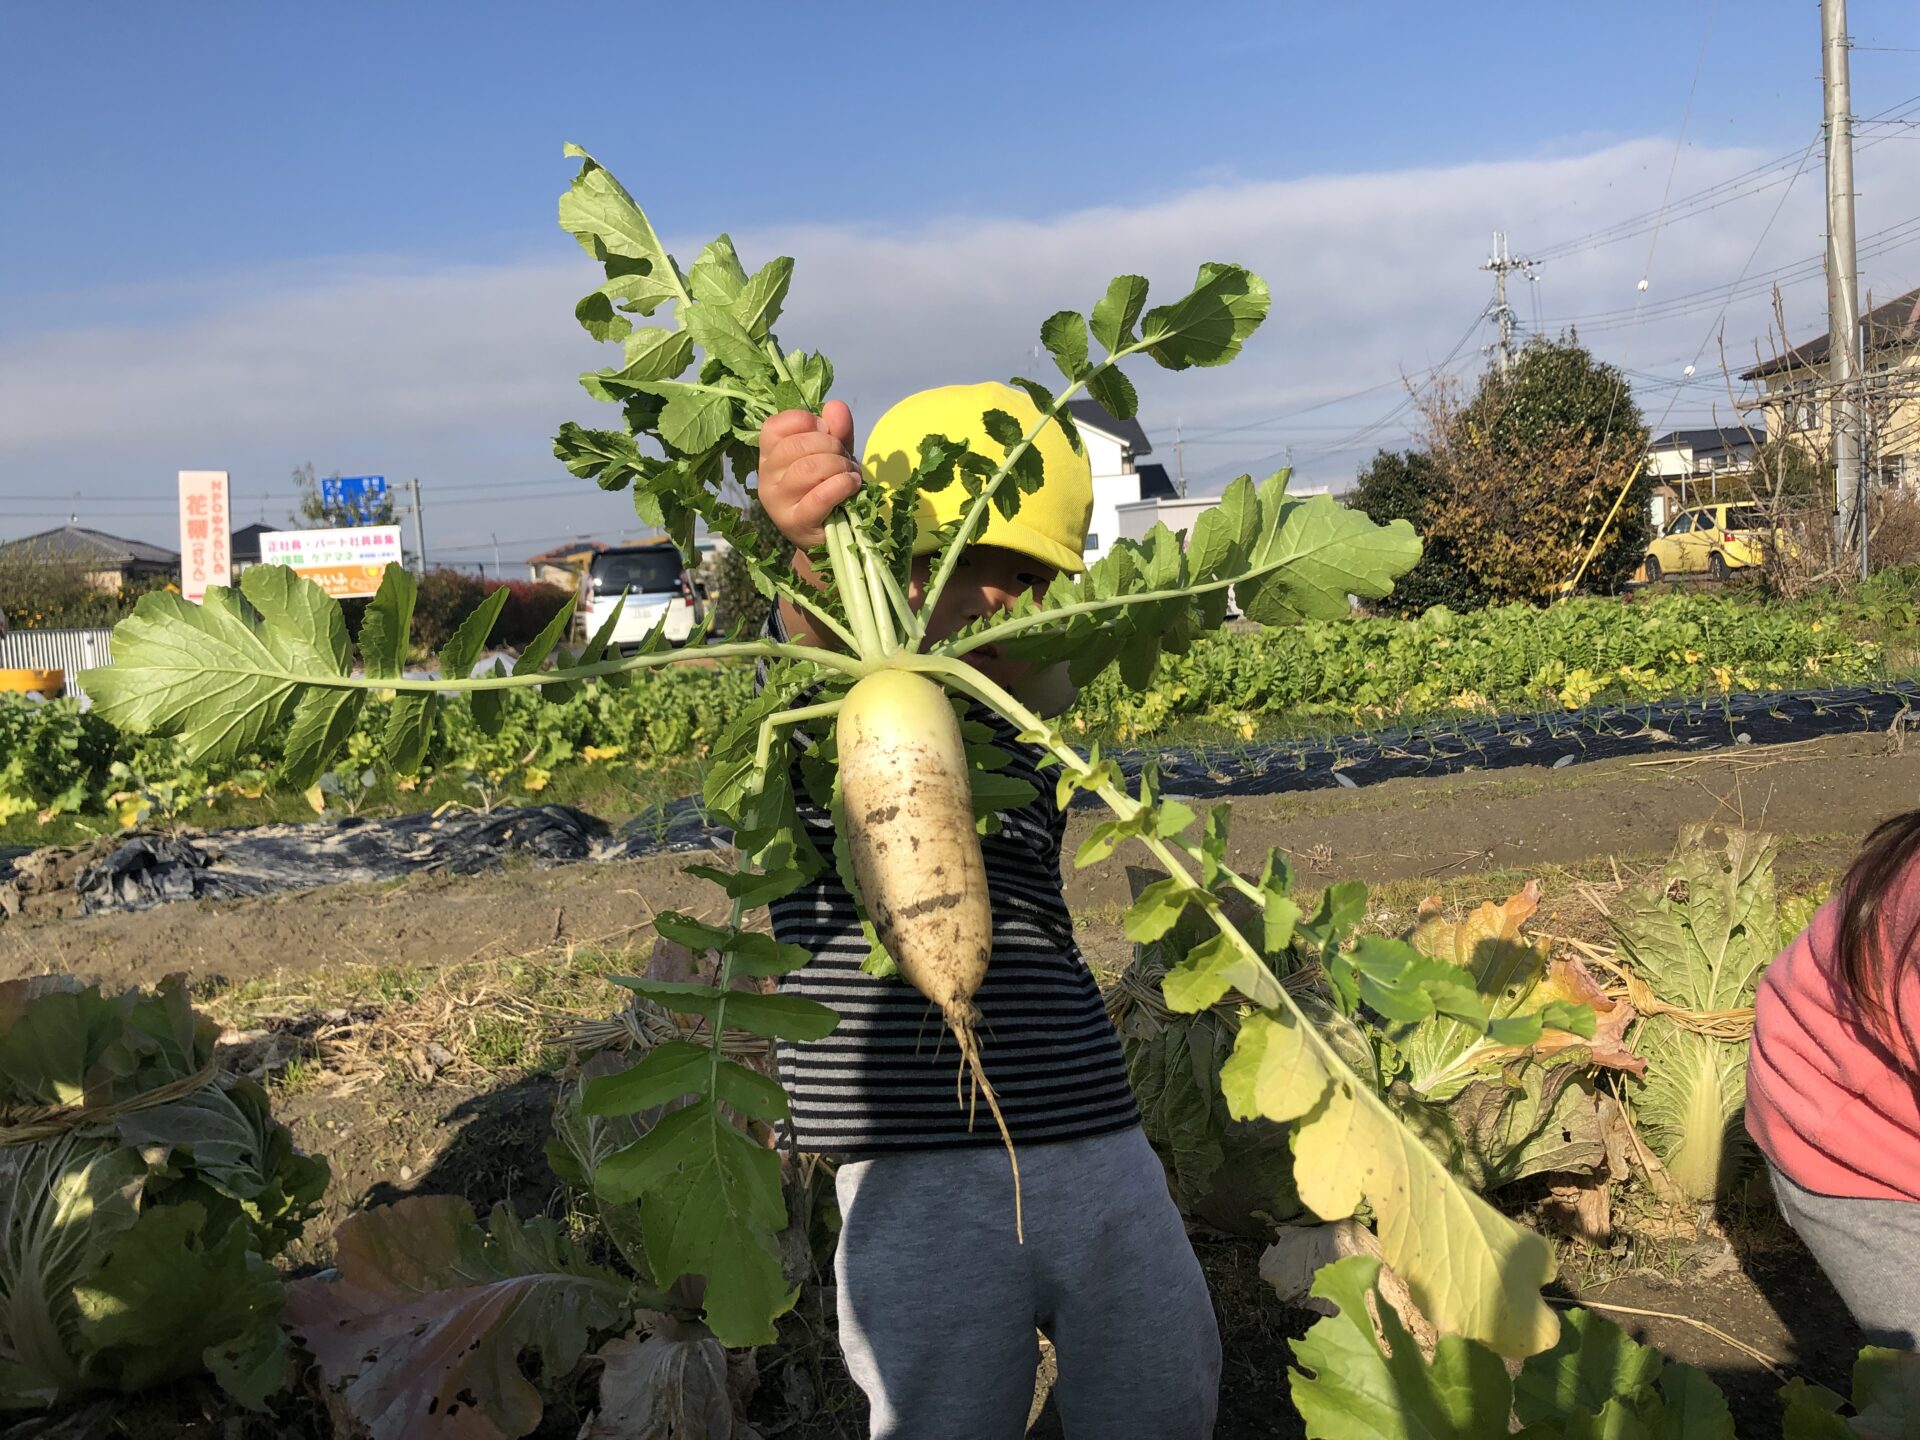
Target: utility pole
x,y
496,555
1500,312
1843,291
1179,462
419,527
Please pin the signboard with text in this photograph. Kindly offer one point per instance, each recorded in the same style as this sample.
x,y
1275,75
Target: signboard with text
x,y
344,563
362,496
206,533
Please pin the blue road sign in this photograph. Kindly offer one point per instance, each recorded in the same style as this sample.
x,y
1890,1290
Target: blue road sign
x,y
366,495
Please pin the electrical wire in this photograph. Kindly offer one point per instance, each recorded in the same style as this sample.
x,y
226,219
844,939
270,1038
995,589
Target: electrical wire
x,y
1214,434
1686,117
1712,197
1787,276
1359,436
1646,274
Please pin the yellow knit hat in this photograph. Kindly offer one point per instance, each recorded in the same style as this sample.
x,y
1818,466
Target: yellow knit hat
x,y
1051,526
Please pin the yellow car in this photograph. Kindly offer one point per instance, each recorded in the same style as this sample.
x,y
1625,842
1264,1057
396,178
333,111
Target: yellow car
x,y
1712,540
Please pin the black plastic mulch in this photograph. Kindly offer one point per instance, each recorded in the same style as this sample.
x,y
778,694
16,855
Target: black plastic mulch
x,y
229,864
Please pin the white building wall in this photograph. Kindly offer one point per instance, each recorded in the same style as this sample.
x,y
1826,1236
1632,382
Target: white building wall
x,y
1114,484
1670,460
1136,519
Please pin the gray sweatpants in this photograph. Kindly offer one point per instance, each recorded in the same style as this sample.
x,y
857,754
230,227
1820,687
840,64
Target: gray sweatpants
x,y
938,1301
1870,1250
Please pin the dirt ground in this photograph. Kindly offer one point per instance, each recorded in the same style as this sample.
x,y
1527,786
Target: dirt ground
x,y
1441,834
473,1120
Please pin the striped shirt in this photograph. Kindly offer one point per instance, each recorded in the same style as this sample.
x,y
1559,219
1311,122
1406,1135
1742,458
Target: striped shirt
x,y
884,1080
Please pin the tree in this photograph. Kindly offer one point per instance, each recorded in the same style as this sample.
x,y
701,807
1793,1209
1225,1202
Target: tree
x,y
315,513
1529,472
1787,475
1405,485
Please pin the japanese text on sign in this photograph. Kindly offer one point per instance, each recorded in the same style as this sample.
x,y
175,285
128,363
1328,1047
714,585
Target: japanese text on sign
x,y
344,563
206,540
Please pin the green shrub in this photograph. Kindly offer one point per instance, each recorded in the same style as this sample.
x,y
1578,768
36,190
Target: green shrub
x,y
446,597
39,591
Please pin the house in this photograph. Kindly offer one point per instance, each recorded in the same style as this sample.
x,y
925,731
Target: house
x,y
1176,512
1694,466
1112,447
246,546
108,561
564,564
1179,512
1795,389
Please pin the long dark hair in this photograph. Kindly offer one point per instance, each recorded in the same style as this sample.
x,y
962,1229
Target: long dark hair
x,y
1870,972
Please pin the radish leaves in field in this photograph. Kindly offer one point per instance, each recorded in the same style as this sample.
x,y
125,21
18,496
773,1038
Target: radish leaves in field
x,y
1886,1401
1594,1381
1285,559
1542,1008
1471,1269
137,1246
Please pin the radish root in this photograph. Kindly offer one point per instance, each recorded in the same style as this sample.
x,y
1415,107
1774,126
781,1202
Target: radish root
x,y
962,1019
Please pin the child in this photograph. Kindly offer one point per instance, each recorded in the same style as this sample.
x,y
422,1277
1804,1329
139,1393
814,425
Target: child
x,y
938,1301
1833,1084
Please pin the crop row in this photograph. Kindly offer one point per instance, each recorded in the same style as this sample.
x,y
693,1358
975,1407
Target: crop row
x,y
1506,658
55,759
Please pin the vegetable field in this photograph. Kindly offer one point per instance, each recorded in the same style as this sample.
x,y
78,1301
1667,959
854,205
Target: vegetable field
x,y
68,774
1426,1092
431,1064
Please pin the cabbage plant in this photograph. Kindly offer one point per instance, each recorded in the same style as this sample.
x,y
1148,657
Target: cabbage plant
x,y
1698,936
143,1195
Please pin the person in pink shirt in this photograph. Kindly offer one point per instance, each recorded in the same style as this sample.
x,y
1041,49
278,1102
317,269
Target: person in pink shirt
x,y
1833,1084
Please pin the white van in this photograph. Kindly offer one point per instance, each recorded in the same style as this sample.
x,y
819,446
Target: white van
x,y
654,582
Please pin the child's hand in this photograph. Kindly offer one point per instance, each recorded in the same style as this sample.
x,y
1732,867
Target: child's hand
x,y
807,467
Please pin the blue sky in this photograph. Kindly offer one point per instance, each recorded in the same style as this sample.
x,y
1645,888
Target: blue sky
x,y
250,236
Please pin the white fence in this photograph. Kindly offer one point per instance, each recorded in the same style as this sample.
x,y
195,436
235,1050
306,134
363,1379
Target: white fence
x,y
68,650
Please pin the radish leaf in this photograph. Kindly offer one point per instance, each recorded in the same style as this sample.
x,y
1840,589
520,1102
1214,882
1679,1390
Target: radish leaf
x,y
669,1070
387,625
1114,317
1353,1388
710,1206
1209,324
1473,1271
1065,336
1115,392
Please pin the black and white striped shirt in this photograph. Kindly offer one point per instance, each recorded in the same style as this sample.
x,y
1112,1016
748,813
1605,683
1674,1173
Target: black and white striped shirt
x,y
884,1080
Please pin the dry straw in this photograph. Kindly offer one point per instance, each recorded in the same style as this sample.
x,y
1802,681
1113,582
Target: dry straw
x,y
29,1124
1733,1025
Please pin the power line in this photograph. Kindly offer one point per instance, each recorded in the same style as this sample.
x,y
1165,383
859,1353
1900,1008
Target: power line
x,y
1744,185
1881,242
1359,436
1214,432
1759,240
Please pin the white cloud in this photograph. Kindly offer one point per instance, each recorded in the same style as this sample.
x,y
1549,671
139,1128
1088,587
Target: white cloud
x,y
459,374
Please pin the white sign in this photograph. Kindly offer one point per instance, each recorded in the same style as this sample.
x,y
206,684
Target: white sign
x,y
344,563
206,534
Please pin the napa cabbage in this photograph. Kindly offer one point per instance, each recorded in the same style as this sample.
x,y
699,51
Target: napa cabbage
x,y
1698,937
143,1195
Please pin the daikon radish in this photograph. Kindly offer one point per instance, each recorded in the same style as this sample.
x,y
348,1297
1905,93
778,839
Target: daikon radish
x,y
916,854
